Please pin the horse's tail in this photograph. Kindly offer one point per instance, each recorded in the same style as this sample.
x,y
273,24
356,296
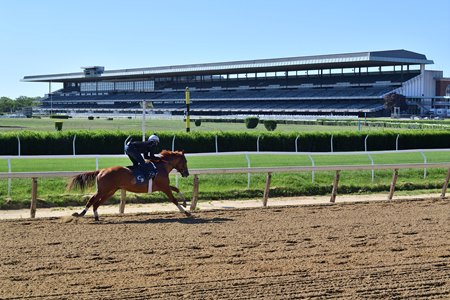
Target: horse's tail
x,y
83,181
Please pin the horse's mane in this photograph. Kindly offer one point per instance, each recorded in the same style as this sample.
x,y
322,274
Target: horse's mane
x,y
167,153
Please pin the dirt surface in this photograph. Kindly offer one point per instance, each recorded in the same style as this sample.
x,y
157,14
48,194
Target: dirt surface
x,y
367,250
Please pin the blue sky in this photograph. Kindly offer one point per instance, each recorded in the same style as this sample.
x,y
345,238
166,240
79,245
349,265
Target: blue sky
x,y
49,36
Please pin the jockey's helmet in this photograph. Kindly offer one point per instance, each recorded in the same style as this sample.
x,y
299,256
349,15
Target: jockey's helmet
x,y
154,138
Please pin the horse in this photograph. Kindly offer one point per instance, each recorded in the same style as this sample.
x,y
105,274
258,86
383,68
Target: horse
x,y
109,180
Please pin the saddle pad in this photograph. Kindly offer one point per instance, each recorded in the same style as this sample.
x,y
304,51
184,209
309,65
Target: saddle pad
x,y
141,176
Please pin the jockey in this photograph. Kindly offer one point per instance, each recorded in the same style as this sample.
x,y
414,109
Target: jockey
x,y
148,148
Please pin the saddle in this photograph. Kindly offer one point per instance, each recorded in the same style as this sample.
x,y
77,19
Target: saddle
x,y
142,174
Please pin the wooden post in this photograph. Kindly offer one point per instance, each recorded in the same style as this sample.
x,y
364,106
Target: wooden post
x,y
195,193
335,186
394,181
267,189
33,197
444,188
123,198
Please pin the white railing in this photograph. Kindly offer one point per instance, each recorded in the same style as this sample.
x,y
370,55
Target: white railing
x,y
268,170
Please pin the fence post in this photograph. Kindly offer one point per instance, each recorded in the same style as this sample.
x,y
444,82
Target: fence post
x,y
123,197
425,163
195,193
9,179
217,146
365,143
394,181
296,147
248,166
396,142
33,197
173,143
125,143
331,143
73,144
373,171
312,164
267,189
18,146
257,144
444,188
335,186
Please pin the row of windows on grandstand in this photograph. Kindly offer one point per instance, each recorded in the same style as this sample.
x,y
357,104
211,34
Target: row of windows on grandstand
x,y
280,74
148,85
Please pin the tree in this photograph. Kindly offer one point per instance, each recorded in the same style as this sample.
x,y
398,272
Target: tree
x,y
251,122
8,105
392,100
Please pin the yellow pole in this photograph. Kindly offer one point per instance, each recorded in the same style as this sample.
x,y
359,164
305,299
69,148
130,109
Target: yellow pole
x,y
188,121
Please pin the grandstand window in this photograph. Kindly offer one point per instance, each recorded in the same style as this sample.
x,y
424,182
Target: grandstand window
x,y
105,86
292,73
270,74
335,71
260,75
149,85
251,75
124,86
447,91
88,86
302,73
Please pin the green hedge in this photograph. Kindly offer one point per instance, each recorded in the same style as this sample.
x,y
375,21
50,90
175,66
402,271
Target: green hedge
x,y
107,142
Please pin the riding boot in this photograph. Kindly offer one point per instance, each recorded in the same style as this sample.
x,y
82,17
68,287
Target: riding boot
x,y
151,170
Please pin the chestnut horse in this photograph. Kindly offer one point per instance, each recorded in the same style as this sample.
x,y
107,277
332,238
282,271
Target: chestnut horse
x,y
110,180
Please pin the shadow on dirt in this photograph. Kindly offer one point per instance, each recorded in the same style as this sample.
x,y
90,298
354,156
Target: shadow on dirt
x,y
191,220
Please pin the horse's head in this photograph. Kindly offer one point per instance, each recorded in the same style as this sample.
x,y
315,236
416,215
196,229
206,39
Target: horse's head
x,y
177,160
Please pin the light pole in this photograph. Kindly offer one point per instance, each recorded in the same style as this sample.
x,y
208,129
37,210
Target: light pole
x,y
144,104
51,97
187,94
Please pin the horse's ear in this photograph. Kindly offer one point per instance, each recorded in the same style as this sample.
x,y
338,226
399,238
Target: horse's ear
x,y
182,151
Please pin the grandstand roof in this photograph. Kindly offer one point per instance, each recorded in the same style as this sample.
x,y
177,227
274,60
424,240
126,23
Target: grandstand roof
x,y
344,60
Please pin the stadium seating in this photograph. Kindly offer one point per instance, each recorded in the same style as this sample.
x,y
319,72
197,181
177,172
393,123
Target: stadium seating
x,y
335,93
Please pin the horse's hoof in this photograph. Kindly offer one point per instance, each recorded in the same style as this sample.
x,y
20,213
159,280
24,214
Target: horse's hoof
x,y
75,214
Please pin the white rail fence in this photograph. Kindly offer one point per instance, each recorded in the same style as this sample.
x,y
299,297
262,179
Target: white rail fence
x,y
247,155
269,170
297,141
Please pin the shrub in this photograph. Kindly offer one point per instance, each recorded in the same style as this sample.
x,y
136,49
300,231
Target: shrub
x,y
59,116
110,119
58,126
91,118
270,125
251,122
198,122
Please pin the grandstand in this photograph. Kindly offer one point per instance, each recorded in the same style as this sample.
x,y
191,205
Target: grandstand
x,y
338,84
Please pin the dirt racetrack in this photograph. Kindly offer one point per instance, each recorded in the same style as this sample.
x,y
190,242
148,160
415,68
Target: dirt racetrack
x,y
376,250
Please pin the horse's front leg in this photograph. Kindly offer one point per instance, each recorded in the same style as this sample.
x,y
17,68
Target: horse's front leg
x,y
176,190
182,209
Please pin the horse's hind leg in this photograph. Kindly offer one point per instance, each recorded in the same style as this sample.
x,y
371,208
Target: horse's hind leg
x,y
99,202
94,198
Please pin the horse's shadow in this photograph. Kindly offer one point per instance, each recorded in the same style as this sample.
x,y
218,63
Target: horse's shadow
x,y
189,220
